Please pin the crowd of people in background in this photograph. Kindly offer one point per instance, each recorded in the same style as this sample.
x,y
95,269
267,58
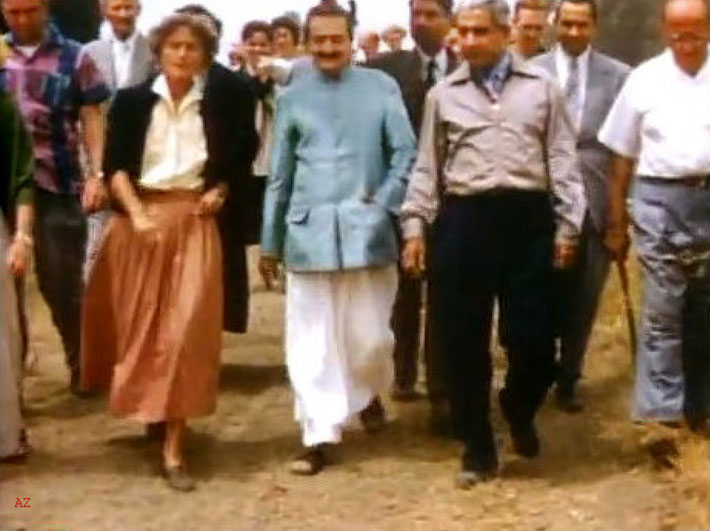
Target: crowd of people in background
x,y
403,191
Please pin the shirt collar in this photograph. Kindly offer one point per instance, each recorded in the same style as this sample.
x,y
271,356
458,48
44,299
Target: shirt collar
x,y
441,59
196,93
52,37
344,76
702,75
517,66
564,57
500,71
130,41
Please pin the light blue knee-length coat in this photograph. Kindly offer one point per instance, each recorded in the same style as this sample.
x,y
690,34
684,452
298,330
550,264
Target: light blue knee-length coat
x,y
341,158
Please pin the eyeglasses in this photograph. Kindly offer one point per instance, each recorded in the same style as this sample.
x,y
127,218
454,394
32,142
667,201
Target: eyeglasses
x,y
688,38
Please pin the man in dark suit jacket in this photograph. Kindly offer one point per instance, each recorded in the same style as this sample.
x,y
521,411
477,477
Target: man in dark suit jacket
x,y
591,82
416,72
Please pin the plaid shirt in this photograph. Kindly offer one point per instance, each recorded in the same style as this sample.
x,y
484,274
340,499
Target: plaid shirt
x,y
51,86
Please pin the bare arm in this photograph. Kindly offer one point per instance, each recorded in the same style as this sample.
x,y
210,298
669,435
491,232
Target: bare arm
x,y
617,235
24,220
123,190
93,126
18,256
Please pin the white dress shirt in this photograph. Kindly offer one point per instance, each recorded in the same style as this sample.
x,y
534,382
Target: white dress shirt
x,y
563,63
441,62
122,55
662,118
176,146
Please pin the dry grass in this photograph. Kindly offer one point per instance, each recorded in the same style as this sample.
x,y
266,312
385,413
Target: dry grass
x,y
94,473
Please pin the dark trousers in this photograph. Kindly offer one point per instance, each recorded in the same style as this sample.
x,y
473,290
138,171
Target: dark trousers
x,y
494,246
696,350
578,291
60,244
406,325
254,190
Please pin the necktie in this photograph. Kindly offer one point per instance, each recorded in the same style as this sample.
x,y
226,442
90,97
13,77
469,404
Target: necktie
x,y
572,90
430,73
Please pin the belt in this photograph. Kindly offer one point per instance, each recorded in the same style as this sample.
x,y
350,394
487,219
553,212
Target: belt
x,y
693,181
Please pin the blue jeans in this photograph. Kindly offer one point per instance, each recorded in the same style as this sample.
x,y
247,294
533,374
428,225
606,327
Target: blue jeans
x,y
672,235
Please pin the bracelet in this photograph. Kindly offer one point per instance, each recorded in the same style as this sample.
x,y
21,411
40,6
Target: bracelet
x,y
98,176
23,237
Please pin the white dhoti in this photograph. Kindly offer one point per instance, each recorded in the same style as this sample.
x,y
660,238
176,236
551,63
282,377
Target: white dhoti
x,y
10,357
338,346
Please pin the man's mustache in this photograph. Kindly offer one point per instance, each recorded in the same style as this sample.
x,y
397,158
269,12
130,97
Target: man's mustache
x,y
329,55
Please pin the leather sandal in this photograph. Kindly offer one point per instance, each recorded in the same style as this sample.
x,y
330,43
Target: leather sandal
x,y
310,463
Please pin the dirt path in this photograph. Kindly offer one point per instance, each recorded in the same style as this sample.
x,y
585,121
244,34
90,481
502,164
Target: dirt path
x,y
91,472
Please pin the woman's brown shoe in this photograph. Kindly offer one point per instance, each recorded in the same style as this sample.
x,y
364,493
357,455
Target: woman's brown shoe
x,y
178,479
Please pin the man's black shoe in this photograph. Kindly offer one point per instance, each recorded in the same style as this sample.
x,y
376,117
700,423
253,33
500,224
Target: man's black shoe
x,y
75,384
476,471
440,420
526,443
373,417
568,400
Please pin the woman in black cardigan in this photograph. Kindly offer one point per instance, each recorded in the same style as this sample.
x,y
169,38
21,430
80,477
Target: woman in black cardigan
x,y
177,148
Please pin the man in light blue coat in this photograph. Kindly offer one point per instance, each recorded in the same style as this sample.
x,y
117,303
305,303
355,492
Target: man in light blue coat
x,y
343,148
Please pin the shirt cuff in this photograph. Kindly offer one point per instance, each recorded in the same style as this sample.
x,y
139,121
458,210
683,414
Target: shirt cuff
x,y
413,227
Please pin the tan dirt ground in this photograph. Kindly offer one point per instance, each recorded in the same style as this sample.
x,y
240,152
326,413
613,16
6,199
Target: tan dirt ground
x,y
91,472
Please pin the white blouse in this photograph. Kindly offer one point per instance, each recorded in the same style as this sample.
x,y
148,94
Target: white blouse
x,y
175,147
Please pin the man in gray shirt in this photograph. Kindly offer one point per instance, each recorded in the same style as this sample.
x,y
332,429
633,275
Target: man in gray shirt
x,y
497,165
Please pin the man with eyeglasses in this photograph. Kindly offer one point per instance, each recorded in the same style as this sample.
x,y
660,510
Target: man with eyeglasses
x,y
659,130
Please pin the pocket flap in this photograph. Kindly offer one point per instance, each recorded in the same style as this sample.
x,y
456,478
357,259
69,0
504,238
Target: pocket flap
x,y
298,216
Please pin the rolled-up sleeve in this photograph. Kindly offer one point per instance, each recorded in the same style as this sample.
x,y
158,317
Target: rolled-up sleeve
x,y
564,171
91,87
422,200
401,150
621,132
280,183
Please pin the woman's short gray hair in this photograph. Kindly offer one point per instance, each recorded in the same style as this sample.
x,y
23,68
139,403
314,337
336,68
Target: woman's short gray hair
x,y
199,25
499,9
